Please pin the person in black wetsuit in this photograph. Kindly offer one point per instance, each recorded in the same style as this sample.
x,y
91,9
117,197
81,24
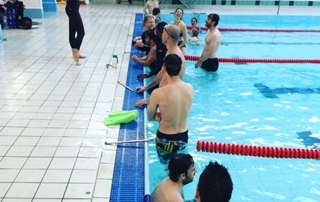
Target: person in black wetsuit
x,y
76,29
150,59
161,51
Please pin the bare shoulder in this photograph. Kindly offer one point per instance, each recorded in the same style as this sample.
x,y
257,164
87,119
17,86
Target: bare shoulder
x,y
216,34
175,197
182,24
167,196
189,86
156,92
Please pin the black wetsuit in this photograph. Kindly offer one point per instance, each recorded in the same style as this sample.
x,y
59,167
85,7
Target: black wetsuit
x,y
161,51
75,24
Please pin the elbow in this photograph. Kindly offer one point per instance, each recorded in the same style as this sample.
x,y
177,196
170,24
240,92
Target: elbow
x,y
150,118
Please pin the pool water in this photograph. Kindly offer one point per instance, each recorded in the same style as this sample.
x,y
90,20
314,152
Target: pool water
x,y
230,108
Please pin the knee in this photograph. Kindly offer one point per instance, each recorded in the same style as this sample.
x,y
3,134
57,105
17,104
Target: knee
x,y
81,33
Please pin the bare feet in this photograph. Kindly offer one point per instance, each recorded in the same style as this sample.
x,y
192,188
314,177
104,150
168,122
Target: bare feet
x,y
82,56
76,56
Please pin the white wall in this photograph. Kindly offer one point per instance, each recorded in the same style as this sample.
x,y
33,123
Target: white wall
x,y
33,3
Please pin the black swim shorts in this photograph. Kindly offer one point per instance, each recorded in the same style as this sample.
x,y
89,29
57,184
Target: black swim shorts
x,y
168,145
210,65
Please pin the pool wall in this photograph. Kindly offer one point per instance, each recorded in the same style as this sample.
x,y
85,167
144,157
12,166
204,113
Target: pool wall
x,y
128,177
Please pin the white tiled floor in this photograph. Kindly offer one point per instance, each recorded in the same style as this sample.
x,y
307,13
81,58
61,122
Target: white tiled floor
x,y
51,112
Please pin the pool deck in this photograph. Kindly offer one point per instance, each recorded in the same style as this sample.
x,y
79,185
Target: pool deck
x,y
51,111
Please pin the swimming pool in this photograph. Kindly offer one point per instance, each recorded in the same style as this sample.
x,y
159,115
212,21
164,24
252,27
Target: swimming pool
x,y
230,107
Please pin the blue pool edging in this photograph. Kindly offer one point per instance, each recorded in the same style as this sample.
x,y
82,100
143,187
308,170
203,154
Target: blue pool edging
x,y
128,177
33,12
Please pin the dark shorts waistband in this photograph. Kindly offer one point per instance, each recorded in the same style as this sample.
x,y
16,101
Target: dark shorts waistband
x,y
175,137
171,143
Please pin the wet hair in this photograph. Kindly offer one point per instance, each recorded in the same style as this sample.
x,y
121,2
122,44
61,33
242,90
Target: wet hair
x,y
195,32
151,35
195,20
173,63
159,27
214,17
215,183
179,164
155,11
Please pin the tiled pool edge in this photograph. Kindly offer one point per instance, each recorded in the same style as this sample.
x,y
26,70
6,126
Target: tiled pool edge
x,y
128,180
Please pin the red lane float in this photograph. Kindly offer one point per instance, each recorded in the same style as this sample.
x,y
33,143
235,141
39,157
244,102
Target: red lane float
x,y
245,60
258,151
255,30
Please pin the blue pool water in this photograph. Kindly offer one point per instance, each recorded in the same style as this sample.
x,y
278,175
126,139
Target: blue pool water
x,y
231,108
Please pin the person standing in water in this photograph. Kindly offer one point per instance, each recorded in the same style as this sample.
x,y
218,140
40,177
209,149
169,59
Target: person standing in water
x,y
208,60
178,14
149,6
76,29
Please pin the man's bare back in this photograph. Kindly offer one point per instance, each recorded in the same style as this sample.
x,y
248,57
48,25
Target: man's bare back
x,y
174,103
174,50
161,78
173,99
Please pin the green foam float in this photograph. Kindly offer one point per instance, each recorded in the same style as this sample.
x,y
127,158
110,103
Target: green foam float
x,y
121,117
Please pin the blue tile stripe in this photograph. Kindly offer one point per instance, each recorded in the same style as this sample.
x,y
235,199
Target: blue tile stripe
x,y
272,93
128,177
